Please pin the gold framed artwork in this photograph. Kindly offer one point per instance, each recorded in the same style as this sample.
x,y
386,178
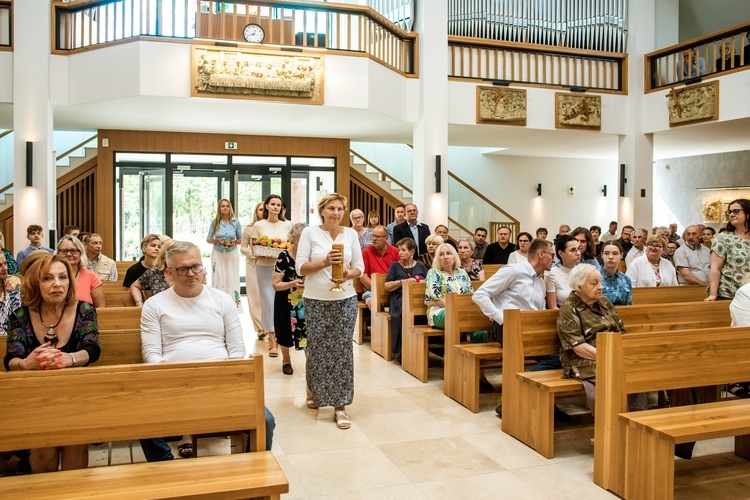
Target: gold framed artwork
x,y
501,106
256,74
578,111
695,103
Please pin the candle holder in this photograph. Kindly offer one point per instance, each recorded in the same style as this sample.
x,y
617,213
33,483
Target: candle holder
x,y
337,270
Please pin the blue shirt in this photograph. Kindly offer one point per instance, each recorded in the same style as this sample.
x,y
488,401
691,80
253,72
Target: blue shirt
x,y
618,288
226,231
25,253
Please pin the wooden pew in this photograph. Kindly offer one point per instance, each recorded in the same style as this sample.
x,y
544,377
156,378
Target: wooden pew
x,y
669,294
489,270
363,315
528,397
634,452
119,298
127,402
416,335
380,319
119,318
462,360
122,269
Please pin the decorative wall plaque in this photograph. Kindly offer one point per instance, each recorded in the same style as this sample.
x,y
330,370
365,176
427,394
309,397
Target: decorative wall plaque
x,y
695,103
256,74
578,111
501,105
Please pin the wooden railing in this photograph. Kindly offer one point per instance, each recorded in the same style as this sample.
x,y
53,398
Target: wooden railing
x,y
699,57
76,147
6,24
76,196
366,197
344,28
511,62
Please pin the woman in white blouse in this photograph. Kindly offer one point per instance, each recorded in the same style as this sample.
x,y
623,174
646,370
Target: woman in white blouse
x,y
558,279
651,269
523,241
330,315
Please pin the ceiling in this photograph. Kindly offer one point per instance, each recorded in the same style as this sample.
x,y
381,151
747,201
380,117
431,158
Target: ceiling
x,y
363,125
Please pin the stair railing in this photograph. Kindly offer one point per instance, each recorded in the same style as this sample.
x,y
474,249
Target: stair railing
x,y
76,147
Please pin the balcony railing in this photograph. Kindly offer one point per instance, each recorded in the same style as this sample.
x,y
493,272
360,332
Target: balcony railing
x,y
716,53
512,62
6,24
345,28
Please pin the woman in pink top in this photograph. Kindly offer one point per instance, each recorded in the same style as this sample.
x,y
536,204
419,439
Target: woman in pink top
x,y
88,285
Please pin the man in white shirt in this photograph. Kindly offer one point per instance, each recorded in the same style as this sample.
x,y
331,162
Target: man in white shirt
x,y
639,239
611,233
692,260
189,322
103,266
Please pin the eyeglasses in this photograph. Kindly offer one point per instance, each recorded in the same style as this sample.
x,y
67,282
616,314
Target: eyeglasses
x,y
378,236
655,245
733,211
359,217
183,271
73,251
523,241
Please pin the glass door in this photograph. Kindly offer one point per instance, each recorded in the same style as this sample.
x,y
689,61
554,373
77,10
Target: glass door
x,y
141,199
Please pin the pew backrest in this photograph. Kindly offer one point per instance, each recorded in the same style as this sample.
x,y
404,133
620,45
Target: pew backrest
x,y
669,294
126,402
119,318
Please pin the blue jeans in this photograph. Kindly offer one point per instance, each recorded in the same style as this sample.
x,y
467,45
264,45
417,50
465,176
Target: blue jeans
x,y
157,450
551,362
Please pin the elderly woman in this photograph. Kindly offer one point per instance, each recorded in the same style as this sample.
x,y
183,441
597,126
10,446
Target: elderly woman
x,y
407,269
729,253
251,277
275,226
225,233
12,264
473,267
150,246
521,255
52,331
558,287
330,315
288,310
357,218
154,278
617,287
88,285
431,242
10,300
585,313
651,269
446,276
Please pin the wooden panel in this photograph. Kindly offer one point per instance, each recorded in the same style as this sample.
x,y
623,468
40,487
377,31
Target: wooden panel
x,y
128,401
117,318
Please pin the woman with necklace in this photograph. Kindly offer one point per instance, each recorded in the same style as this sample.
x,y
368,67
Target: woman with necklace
x,y
225,234
330,314
473,267
276,227
88,285
288,309
405,270
558,279
9,300
52,331
251,278
651,269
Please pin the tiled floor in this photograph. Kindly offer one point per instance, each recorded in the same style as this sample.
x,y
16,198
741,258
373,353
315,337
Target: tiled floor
x,y
408,440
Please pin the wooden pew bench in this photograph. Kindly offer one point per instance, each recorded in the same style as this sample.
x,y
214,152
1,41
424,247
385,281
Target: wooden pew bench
x,y
489,270
669,294
634,451
529,397
380,319
128,402
119,318
363,315
463,361
417,337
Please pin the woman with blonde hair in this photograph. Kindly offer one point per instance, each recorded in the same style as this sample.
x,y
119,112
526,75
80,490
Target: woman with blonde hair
x,y
357,218
251,277
225,233
373,219
12,264
431,242
154,278
446,276
150,246
651,269
88,286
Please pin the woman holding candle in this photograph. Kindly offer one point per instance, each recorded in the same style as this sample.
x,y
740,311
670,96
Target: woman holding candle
x,y
330,252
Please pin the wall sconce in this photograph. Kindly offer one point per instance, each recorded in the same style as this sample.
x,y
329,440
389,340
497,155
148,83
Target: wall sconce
x,y
604,190
539,189
438,173
623,180
29,164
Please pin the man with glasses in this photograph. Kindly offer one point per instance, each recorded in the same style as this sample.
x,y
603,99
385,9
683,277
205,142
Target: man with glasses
x,y
189,322
516,286
378,258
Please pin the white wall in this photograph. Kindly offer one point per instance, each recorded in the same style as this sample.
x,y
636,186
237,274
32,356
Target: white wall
x,y
510,182
6,77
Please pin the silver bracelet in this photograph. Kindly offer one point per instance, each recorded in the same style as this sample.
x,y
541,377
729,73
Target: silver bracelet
x,y
73,358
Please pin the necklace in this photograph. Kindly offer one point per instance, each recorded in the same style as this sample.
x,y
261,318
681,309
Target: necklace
x,y
51,335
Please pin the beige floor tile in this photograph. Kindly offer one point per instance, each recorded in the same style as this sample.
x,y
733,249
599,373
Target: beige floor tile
x,y
499,485
564,480
435,459
428,396
402,492
722,475
346,470
405,426
322,434
296,489
376,402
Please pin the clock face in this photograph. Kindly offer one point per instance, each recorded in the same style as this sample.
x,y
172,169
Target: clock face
x,y
254,33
